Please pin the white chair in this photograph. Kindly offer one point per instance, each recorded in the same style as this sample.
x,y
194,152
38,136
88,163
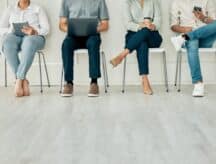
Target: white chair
x,y
152,51
40,54
179,63
104,66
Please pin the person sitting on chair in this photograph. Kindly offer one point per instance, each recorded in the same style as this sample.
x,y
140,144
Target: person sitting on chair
x,y
195,20
142,20
82,9
27,41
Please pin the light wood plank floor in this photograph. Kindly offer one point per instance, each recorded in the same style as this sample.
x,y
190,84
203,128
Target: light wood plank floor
x,y
130,128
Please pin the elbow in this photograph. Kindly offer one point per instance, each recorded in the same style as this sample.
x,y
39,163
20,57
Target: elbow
x,y
173,28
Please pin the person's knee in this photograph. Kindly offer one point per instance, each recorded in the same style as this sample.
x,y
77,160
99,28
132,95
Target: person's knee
x,y
32,43
68,43
93,42
10,42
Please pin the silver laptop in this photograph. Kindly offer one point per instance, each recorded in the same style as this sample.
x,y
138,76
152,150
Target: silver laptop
x,y
82,26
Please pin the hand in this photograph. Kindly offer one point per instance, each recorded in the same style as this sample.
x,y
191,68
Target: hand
x,y
199,15
28,30
99,27
150,26
103,26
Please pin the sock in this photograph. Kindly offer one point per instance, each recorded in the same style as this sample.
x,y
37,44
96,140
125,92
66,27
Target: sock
x,y
70,82
94,81
186,37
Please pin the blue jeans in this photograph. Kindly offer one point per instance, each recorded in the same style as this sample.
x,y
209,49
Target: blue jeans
x,y
27,46
141,41
72,43
203,37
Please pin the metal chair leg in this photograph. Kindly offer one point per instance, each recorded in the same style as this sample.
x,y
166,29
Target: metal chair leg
x,y
41,81
124,75
5,63
104,72
61,83
177,67
180,65
165,72
46,70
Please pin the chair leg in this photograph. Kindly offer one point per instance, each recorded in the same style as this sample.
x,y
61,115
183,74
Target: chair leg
x,y
124,75
165,72
46,70
41,80
104,71
61,82
177,67
5,63
180,65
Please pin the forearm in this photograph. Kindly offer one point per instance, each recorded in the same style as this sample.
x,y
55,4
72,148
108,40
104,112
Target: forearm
x,y
181,29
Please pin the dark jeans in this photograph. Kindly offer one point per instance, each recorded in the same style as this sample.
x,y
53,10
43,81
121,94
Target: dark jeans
x,y
72,43
141,41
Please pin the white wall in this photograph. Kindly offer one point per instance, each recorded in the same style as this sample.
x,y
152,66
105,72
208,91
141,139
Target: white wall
x,y
113,42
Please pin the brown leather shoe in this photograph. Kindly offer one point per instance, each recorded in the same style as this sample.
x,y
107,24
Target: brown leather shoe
x,y
19,92
94,90
67,91
26,89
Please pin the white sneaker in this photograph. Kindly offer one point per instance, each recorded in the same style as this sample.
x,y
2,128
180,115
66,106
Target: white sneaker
x,y
198,90
178,42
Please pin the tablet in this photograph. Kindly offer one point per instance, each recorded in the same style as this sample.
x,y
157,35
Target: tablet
x,y
18,28
82,26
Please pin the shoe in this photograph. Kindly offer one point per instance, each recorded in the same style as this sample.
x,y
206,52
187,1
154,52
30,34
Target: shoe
x,y
94,90
26,90
19,92
67,91
116,61
147,90
178,42
198,90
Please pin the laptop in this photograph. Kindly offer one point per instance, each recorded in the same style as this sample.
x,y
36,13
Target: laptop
x,y
82,26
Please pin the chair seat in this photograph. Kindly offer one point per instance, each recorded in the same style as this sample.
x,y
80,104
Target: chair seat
x,y
202,50
156,50
84,51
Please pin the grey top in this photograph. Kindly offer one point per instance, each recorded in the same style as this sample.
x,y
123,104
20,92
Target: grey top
x,y
84,9
135,14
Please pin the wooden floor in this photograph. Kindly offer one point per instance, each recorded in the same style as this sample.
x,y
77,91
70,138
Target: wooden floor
x,y
130,128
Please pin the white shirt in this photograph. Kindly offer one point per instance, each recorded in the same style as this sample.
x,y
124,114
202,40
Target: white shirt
x,y
182,12
34,15
135,14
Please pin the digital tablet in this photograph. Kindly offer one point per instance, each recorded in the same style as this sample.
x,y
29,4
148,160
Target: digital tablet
x,y
18,28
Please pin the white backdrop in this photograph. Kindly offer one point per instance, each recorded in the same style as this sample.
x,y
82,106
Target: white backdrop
x,y
113,42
